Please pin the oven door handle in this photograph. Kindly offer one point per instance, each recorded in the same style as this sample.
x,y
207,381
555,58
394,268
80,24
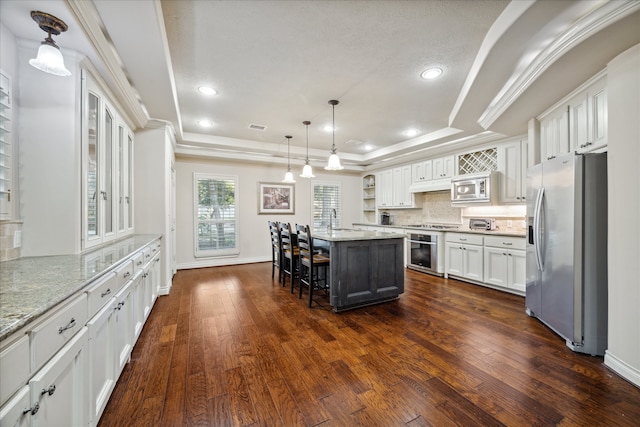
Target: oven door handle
x,y
422,242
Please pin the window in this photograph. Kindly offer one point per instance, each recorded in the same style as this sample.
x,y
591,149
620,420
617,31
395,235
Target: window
x,y
216,220
326,198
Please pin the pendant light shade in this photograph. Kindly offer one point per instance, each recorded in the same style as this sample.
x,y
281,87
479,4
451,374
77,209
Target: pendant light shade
x,y
334,161
288,177
307,171
49,57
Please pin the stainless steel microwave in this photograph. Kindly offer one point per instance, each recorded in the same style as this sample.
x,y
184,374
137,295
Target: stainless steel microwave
x,y
477,188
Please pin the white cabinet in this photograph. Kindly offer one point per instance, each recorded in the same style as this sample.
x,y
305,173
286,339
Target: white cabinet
x,y
444,167
588,118
505,262
464,255
102,361
512,162
107,170
60,388
6,146
384,189
554,134
123,325
14,367
17,411
422,171
402,197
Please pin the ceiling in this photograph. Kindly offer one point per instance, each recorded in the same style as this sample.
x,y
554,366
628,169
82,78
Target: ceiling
x,y
278,63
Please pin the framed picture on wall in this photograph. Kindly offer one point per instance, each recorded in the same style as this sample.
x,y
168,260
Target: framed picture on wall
x,y
276,198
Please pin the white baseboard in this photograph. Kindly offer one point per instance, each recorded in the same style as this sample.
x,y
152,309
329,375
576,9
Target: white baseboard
x,y
220,262
622,368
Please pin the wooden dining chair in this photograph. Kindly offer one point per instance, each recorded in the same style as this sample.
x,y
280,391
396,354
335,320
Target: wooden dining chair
x,y
311,264
276,249
290,254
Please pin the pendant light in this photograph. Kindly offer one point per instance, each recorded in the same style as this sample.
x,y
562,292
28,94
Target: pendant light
x,y
307,171
334,161
288,177
49,58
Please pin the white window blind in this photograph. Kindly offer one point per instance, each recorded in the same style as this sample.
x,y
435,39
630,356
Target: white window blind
x,y
216,221
326,198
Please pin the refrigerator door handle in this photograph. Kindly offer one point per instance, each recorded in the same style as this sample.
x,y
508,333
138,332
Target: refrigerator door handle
x,y
537,229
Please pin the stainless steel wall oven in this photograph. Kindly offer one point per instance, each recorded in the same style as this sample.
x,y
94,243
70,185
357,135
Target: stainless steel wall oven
x,y
424,252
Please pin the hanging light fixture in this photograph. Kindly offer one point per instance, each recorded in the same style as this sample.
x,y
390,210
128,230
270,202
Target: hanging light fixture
x,y
334,161
307,171
288,177
49,58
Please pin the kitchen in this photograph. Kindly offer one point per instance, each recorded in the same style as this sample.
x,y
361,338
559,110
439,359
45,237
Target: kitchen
x,y
156,168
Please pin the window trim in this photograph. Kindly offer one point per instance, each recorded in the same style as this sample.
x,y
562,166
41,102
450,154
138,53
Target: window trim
x,y
214,253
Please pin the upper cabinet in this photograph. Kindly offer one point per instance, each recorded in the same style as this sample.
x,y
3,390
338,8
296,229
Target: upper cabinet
x,y
578,123
512,162
107,170
444,167
422,171
6,137
588,118
392,188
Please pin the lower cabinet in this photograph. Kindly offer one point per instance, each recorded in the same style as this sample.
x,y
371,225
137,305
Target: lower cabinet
x,y
102,362
123,324
464,256
505,262
17,411
59,390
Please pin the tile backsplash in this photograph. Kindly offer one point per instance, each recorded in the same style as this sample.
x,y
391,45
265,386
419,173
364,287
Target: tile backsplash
x,y
8,231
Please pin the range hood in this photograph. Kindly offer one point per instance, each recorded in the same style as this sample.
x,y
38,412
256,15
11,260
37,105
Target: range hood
x,y
431,185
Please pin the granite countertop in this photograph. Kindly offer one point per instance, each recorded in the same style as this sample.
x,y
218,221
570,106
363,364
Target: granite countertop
x,y
30,286
511,233
348,234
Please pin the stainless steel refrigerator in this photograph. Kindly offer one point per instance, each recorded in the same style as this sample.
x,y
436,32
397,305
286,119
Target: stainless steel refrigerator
x,y
567,248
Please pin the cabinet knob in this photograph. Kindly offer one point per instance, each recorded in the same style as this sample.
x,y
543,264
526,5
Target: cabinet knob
x,y
71,324
105,293
50,390
34,409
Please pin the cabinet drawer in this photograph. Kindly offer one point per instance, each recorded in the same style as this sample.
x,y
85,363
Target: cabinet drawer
x,y
50,335
14,367
468,239
101,292
505,242
124,273
138,261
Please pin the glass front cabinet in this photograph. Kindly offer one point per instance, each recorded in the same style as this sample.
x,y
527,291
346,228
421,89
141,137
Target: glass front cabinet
x,y
107,169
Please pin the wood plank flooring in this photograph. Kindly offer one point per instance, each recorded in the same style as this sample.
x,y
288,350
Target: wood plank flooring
x,y
231,347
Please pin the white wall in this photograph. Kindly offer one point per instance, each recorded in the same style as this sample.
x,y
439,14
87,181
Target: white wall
x,y
255,243
623,80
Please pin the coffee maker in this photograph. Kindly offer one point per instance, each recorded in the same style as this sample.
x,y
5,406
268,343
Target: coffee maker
x,y
385,218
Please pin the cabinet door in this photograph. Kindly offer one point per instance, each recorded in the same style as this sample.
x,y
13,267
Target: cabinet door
x,y
156,278
454,259
510,163
496,267
61,386
517,270
422,171
15,413
473,262
102,360
598,114
123,326
554,134
578,123
384,188
402,179
137,296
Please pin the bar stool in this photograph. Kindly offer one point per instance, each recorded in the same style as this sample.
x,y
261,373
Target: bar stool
x,y
290,254
276,249
310,263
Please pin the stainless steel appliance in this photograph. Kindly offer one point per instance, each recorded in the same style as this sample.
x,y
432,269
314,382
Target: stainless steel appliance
x,y
567,248
477,188
385,218
482,224
425,248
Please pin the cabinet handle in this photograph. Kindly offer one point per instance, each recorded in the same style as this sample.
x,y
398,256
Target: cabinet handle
x,y
126,274
509,254
507,243
551,157
139,262
105,293
51,389
71,324
104,195
462,240
9,195
504,254
34,409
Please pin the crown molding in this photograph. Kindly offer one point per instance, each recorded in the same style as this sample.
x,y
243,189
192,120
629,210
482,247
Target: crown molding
x,y
584,28
89,19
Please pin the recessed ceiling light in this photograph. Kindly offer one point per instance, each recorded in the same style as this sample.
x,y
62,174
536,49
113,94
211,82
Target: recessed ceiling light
x,y
368,147
431,73
411,132
328,128
205,123
207,90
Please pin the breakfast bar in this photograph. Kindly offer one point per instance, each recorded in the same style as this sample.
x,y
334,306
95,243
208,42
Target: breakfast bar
x,y
367,267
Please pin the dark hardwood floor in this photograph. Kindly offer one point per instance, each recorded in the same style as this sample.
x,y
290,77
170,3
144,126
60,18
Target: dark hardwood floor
x,y
229,346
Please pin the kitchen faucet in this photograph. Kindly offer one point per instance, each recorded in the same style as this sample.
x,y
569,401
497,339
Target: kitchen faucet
x,y
334,215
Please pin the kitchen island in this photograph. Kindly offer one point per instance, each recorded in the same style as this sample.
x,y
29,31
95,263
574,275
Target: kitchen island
x,y
367,267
